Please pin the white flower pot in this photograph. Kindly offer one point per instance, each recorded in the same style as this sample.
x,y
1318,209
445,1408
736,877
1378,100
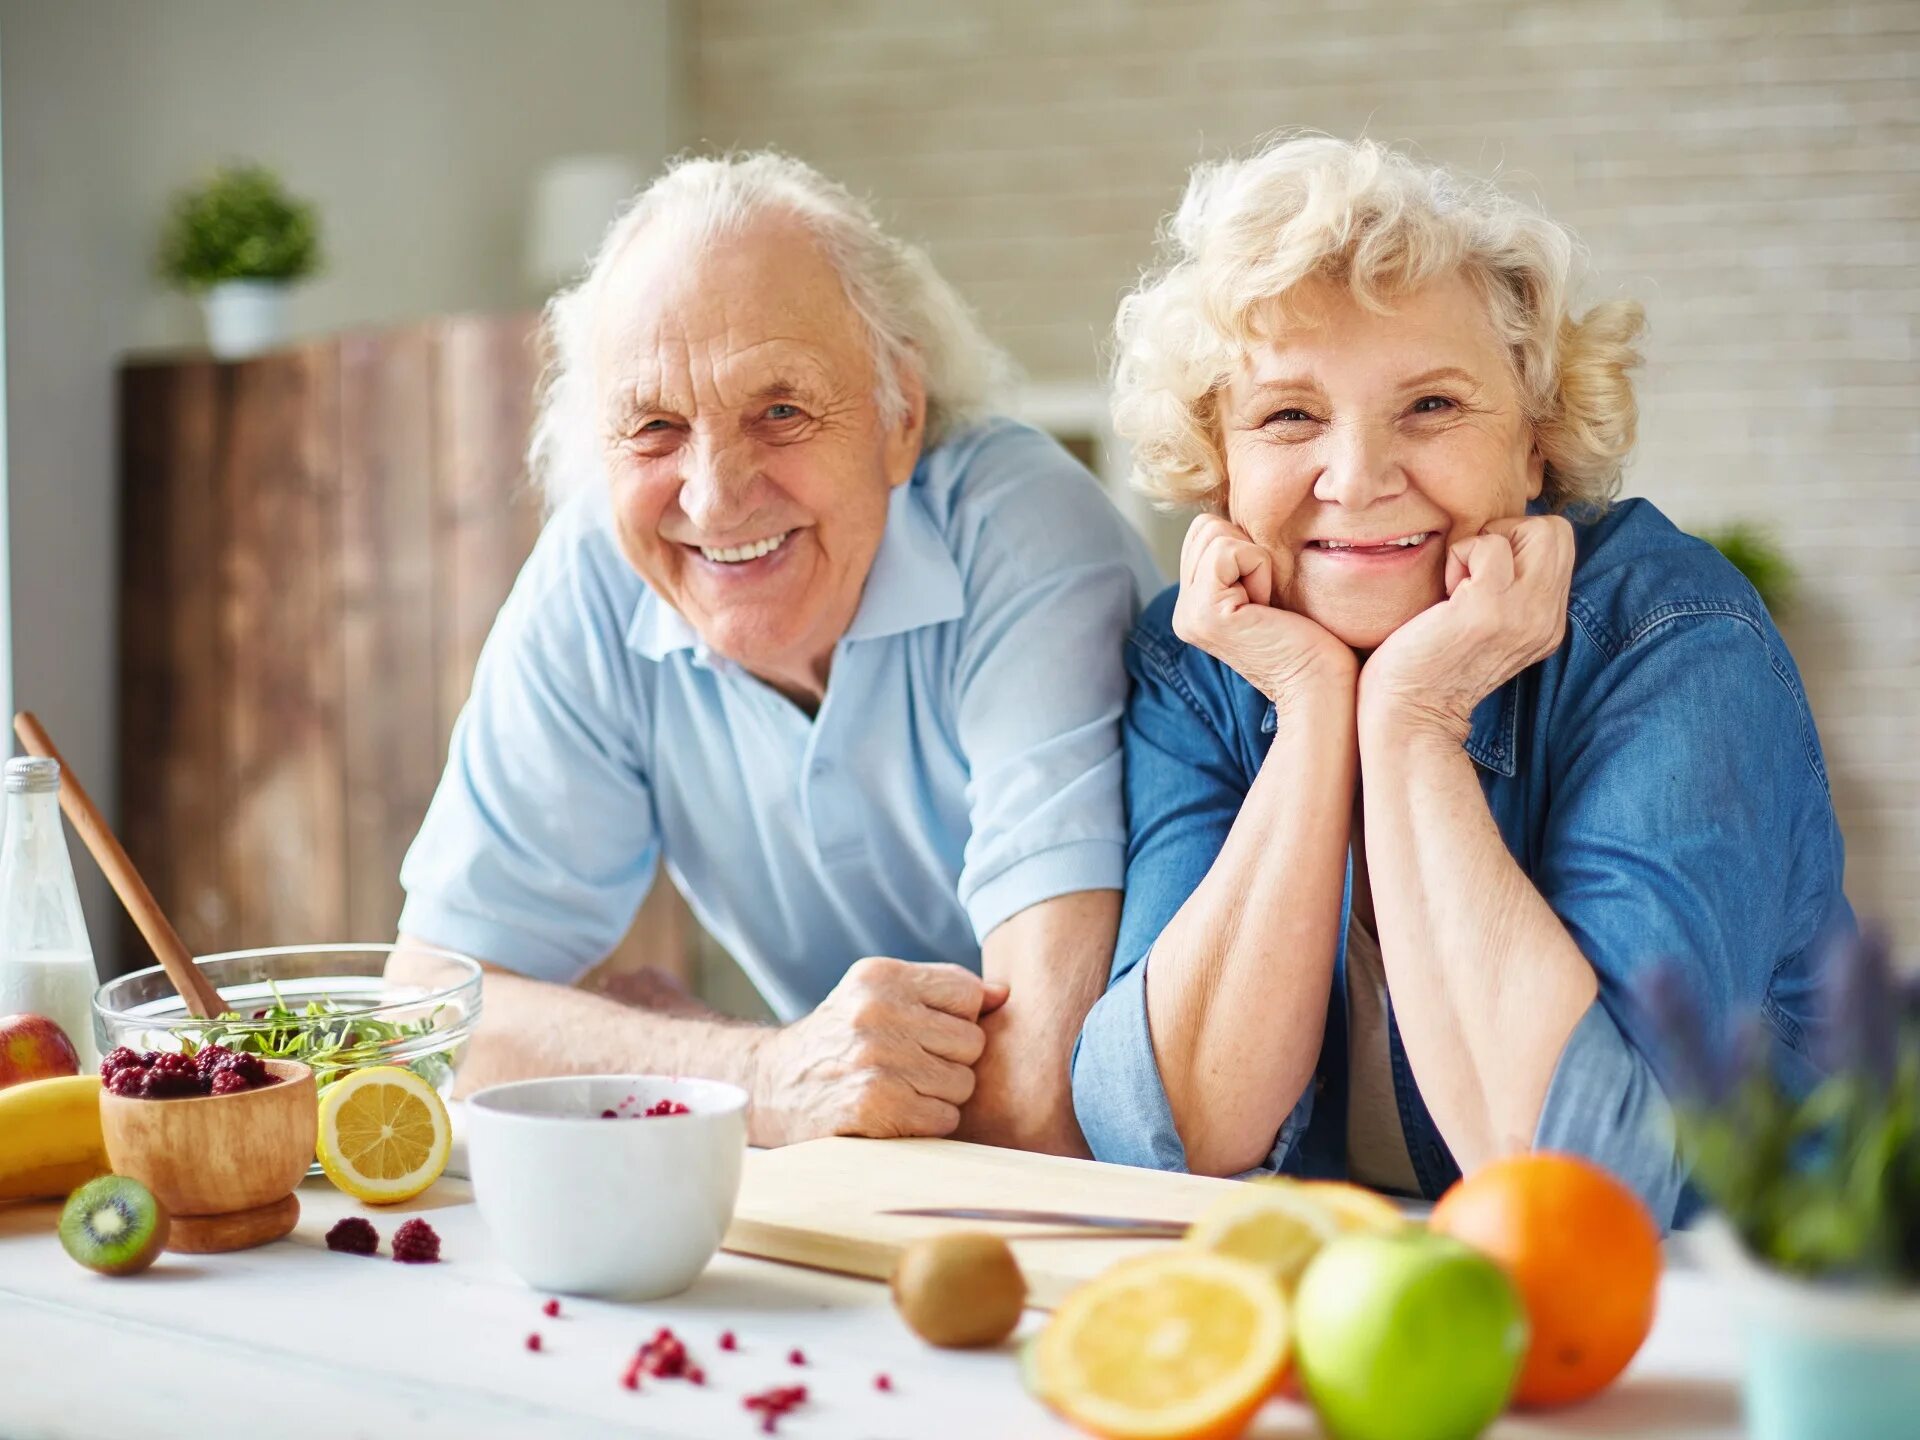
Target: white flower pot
x,y
1824,1361
245,317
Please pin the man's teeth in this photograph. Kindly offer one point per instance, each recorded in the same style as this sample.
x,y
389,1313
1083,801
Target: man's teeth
x,y
1405,542
740,553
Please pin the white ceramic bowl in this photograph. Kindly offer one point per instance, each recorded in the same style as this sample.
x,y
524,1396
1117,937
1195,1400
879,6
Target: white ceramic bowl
x,y
629,1209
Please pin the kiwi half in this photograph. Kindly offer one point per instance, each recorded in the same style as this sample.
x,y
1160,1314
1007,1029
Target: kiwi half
x,y
114,1225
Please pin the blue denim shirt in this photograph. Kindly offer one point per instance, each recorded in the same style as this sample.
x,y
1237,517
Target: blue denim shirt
x,y
1659,780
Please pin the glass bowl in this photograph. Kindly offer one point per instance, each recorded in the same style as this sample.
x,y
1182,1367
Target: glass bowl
x,y
345,1013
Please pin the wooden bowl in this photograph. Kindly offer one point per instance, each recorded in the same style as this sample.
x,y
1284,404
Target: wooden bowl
x,y
225,1166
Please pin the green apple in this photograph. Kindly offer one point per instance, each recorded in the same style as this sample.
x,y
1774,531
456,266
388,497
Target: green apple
x,y
1411,1336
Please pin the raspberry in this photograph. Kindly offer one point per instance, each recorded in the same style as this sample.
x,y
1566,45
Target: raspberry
x,y
120,1058
226,1082
207,1059
250,1068
414,1243
128,1080
353,1236
551,1309
169,1077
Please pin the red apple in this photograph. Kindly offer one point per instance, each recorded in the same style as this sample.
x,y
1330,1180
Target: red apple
x,y
32,1047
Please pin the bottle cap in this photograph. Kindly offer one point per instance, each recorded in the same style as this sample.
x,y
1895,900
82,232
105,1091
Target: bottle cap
x,y
29,775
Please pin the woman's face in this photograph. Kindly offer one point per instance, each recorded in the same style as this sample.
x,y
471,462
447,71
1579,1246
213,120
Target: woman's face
x,y
1360,446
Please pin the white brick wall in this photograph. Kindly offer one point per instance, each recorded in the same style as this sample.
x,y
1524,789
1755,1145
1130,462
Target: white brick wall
x,y
1750,171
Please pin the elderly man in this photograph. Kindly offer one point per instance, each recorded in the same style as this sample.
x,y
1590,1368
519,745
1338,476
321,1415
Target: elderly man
x,y
844,656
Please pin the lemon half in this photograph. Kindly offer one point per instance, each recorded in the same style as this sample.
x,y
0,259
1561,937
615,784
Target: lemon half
x,y
384,1134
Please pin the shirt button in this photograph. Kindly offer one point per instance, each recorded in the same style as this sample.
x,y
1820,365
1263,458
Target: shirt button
x,y
820,769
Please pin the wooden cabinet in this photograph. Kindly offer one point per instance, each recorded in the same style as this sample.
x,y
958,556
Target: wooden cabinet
x,y
313,547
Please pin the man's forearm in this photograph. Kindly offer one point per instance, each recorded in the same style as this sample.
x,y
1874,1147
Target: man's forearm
x,y
1053,958
1486,982
1238,980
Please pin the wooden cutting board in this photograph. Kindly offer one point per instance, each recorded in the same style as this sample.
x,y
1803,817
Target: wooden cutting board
x,y
818,1203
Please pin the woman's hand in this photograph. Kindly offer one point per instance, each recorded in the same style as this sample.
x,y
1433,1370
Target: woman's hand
x,y
1506,608
1226,608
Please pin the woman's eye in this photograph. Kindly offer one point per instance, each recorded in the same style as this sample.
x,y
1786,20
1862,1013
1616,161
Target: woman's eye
x,y
1291,415
1437,401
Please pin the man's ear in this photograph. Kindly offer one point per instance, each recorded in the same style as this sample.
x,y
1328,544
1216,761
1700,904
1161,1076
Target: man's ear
x,y
907,435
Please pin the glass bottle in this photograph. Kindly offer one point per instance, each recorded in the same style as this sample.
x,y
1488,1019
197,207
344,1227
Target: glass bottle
x,y
46,960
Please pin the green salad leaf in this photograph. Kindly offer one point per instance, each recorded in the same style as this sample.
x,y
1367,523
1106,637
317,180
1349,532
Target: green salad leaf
x,y
328,1038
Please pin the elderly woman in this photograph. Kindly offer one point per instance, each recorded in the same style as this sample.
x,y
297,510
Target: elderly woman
x,y
1433,751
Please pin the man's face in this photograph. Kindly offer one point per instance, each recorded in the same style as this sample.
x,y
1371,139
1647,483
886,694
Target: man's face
x,y
749,461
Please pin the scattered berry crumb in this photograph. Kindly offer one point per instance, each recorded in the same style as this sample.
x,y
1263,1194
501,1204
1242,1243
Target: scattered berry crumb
x,y
796,1357
727,1341
551,1309
533,1342
773,1404
415,1243
696,1376
631,1379
353,1236
609,1114
883,1382
665,1107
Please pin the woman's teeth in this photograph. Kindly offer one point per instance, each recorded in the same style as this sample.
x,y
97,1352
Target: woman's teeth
x,y
1405,542
739,554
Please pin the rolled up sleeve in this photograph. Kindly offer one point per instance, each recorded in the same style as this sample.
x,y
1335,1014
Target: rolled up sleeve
x,y
1184,788
1691,828
541,839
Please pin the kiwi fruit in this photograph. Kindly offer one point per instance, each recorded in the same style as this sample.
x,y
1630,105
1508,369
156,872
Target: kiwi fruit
x,y
959,1291
114,1225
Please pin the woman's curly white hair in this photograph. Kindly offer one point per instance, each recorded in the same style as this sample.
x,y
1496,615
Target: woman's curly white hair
x,y
914,319
1366,216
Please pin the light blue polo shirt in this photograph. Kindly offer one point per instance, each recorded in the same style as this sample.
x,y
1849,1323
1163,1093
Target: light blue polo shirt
x,y
964,765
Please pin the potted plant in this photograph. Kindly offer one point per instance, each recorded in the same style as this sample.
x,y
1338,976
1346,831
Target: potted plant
x,y
240,241
1752,550
1817,1194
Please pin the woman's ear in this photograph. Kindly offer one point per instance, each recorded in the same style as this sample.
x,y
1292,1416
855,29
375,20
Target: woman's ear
x,y
909,433
1536,472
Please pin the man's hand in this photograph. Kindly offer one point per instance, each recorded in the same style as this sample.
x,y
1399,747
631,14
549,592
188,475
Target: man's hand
x,y
889,1053
1506,608
1227,608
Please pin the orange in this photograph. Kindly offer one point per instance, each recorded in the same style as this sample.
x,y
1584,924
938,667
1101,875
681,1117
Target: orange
x,y
1585,1254
1178,1345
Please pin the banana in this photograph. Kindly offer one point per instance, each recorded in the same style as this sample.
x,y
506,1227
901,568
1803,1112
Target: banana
x,y
50,1139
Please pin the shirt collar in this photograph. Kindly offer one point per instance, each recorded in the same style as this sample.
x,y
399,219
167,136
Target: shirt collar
x,y
1496,722
1490,737
914,582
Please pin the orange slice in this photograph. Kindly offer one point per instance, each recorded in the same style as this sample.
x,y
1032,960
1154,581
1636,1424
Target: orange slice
x,y
1179,1345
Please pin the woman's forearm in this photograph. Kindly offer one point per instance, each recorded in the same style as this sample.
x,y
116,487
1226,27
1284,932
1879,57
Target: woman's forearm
x,y
1237,981
1486,982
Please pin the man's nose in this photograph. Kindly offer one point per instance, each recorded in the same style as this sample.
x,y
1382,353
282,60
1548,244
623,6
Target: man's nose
x,y
716,484
1361,467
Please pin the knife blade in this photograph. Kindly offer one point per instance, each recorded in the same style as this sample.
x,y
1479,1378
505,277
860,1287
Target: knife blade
x,y
1093,1225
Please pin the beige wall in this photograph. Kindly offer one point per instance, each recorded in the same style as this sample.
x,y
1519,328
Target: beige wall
x,y
1750,171
416,126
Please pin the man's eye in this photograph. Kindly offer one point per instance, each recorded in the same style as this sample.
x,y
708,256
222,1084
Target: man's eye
x,y
783,412
654,425
1438,401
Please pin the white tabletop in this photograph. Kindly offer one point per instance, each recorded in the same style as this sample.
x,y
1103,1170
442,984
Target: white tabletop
x,y
292,1340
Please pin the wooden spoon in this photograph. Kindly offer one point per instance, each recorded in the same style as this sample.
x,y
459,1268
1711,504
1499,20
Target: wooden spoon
x,y
202,999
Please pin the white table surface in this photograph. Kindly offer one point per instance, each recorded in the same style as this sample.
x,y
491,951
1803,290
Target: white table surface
x,y
292,1340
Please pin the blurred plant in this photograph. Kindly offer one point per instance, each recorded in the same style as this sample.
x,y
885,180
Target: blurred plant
x,y
1753,551
241,225
1823,1186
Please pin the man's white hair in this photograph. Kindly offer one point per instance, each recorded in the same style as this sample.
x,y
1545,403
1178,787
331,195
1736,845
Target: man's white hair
x,y
914,319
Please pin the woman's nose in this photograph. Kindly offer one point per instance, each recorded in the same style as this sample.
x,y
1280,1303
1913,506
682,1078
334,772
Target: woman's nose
x,y
1360,468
